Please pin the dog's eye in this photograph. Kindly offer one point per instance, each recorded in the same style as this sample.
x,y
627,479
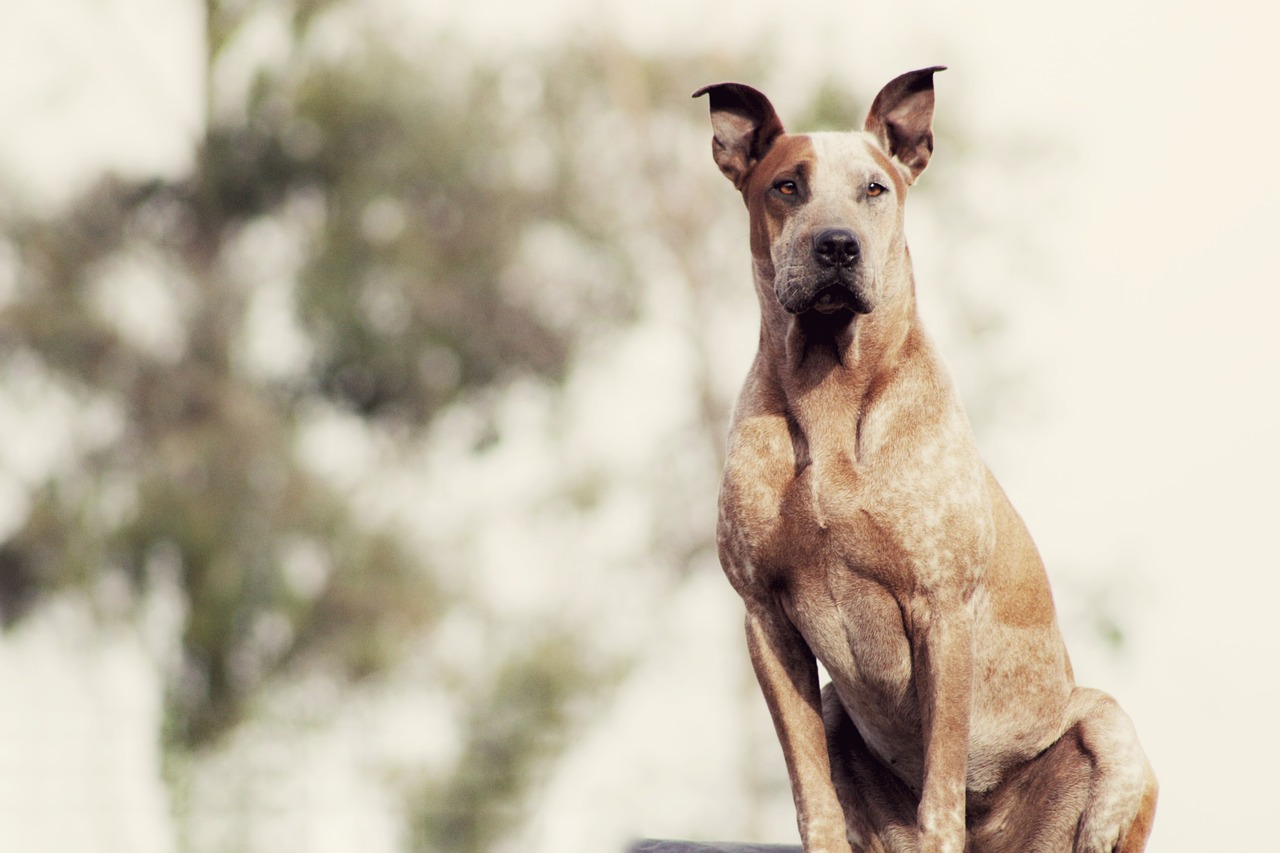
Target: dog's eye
x,y
874,189
786,187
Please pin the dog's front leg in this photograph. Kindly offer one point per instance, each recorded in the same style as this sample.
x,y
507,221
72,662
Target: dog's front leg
x,y
943,660
788,676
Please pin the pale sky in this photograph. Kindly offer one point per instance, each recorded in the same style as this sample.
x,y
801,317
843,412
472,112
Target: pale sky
x,y
1153,361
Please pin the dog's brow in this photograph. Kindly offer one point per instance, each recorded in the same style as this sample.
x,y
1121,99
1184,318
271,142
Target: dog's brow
x,y
899,185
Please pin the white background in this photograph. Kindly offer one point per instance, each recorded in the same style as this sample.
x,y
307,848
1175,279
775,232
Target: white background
x,y
1154,362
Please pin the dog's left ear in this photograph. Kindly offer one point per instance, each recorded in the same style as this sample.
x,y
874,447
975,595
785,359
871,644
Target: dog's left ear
x,y
743,128
901,117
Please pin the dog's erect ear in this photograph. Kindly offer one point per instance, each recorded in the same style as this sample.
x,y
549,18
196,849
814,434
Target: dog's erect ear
x,y
743,126
901,117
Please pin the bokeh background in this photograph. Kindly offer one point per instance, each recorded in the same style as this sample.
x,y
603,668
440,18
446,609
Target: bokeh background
x,y
364,373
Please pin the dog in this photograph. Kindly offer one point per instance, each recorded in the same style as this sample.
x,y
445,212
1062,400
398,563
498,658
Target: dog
x,y
862,529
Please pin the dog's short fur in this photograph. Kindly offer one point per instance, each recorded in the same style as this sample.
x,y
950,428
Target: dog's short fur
x,y
862,529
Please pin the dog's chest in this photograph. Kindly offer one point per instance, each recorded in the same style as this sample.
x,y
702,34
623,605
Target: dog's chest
x,y
841,544
843,538
898,514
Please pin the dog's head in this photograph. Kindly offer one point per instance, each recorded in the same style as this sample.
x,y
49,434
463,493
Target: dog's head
x,y
826,208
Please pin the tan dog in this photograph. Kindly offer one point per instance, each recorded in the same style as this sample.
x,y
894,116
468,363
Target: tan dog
x,y
860,527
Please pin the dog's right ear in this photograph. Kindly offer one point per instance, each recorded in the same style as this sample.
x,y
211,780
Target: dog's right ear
x,y
743,127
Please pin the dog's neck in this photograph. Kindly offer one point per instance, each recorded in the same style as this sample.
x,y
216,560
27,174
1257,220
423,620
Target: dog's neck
x,y
824,366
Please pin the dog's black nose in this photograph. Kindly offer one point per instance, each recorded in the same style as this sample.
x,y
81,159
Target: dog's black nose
x,y
835,247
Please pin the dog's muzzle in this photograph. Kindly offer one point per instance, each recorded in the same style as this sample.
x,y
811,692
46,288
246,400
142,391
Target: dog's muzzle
x,y
830,281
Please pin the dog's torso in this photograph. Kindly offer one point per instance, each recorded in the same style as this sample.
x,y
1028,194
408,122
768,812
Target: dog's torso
x,y
847,529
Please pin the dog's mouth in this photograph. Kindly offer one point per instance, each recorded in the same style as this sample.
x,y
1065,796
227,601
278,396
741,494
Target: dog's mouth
x,y
830,298
837,297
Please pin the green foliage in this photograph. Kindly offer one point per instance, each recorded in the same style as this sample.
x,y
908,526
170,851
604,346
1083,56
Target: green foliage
x,y
447,224
515,724
833,107
409,224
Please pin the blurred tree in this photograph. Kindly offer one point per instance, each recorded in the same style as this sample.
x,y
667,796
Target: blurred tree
x,y
397,202
396,185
